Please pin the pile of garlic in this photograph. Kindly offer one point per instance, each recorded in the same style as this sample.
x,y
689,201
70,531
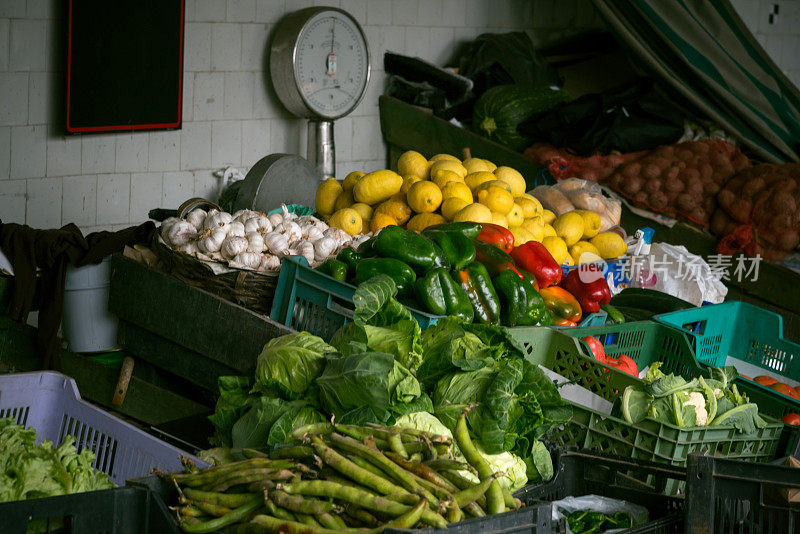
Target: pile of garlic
x,y
253,240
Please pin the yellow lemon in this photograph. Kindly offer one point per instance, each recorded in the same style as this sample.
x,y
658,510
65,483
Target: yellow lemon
x,y
528,196
591,223
515,216
381,220
344,200
421,221
548,216
534,227
440,157
445,177
447,165
499,219
327,193
396,209
413,163
569,260
570,227
493,183
453,205
476,165
521,235
377,186
549,230
474,213
529,207
348,220
408,181
351,180
475,179
365,210
496,199
556,247
609,244
457,190
512,177
424,197
584,252
491,165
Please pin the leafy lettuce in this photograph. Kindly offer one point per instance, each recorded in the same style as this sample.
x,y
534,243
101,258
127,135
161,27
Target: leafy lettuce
x,y
289,364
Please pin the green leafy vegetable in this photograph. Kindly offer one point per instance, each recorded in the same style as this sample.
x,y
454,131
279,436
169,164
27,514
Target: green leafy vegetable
x,y
744,418
234,399
289,364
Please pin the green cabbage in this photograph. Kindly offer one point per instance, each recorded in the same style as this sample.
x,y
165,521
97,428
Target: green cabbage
x,y
289,364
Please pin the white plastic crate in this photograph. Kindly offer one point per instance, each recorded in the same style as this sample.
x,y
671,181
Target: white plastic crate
x,y
50,403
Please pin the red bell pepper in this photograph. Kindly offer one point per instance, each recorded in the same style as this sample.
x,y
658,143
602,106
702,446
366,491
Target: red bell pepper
x,y
561,304
624,364
589,287
598,351
496,235
564,322
534,258
494,259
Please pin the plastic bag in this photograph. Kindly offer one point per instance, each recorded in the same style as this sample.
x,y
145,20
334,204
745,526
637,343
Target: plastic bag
x,y
597,503
682,274
574,193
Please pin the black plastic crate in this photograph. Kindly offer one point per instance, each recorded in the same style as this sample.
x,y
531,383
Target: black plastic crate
x,y
579,473
734,497
114,511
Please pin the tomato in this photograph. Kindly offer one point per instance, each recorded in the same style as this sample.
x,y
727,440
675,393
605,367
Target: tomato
x,y
765,380
598,350
623,363
785,389
791,418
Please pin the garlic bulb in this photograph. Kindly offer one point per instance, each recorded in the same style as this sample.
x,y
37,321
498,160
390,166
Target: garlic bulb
x,y
196,218
276,243
233,245
217,219
354,244
287,216
290,229
304,249
258,223
243,215
166,224
248,260
180,233
306,220
311,232
341,237
256,242
236,229
189,248
269,263
275,219
211,240
324,247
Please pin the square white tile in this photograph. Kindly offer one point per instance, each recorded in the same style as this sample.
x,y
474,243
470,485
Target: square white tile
x,y
113,198
79,202
146,194
164,151
28,151
98,153
43,209
132,152
196,145
12,201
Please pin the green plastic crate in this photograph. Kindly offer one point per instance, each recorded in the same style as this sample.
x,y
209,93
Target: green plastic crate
x,y
662,442
308,300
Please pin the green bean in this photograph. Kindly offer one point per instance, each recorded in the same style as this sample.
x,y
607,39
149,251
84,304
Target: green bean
x,y
454,513
251,475
441,464
216,510
313,428
236,515
412,431
364,499
334,476
307,520
360,432
295,452
188,465
474,510
360,462
440,493
511,502
351,470
494,496
190,510
423,471
253,453
362,515
276,511
231,500
464,497
210,474
462,483
396,444
410,518
259,486
416,457
192,521
330,521
296,503
262,524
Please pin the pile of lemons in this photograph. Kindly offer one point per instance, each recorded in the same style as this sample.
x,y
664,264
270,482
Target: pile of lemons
x,y
425,192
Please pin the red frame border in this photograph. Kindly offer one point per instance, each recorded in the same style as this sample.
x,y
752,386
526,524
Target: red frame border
x,y
125,127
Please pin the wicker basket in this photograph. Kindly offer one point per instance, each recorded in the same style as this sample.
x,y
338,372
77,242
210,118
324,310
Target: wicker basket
x,y
251,289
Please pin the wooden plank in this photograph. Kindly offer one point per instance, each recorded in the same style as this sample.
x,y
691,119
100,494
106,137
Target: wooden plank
x,y
144,401
192,318
163,353
413,128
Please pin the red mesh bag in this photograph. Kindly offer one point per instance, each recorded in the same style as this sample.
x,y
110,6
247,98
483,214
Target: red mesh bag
x,y
562,164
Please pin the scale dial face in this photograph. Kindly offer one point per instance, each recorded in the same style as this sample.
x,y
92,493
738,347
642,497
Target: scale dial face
x,y
329,63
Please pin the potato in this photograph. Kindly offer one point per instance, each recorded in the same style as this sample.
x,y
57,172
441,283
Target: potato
x,y
686,202
740,209
652,186
740,161
674,185
788,240
699,214
689,174
632,169
721,224
651,171
640,197
615,181
753,186
710,187
657,200
671,172
706,170
685,154
666,151
726,198
631,185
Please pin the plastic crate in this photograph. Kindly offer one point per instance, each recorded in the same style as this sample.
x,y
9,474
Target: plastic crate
x,y
652,440
532,519
308,300
725,496
49,402
580,473
115,511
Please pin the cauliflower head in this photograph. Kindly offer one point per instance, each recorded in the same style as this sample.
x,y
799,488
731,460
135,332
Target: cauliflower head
x,y
698,400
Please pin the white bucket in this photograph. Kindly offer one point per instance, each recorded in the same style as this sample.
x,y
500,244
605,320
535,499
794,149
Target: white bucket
x,y
87,324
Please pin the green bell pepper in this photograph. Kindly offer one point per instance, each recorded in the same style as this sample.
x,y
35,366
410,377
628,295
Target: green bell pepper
x,y
335,268
366,249
350,258
441,295
470,230
494,259
403,275
406,246
520,303
474,279
458,249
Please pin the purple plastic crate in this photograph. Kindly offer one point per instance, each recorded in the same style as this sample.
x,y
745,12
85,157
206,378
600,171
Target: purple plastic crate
x,y
50,403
